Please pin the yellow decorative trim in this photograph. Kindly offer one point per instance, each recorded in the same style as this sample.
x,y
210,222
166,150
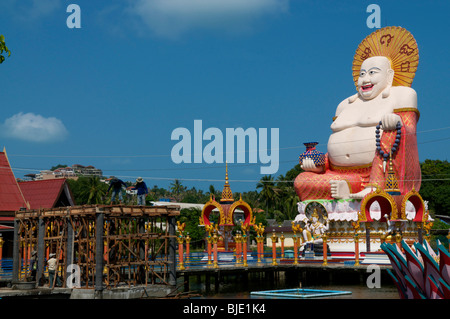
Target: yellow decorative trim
x,y
408,109
411,193
349,168
376,193
349,187
240,202
211,202
395,43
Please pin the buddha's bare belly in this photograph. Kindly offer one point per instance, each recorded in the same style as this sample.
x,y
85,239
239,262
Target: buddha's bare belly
x,y
353,146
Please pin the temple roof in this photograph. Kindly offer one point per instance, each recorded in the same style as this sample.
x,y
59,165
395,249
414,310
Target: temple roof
x,y
47,193
11,197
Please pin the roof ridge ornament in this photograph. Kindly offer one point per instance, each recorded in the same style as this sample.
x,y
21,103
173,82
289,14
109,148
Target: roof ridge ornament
x,y
227,194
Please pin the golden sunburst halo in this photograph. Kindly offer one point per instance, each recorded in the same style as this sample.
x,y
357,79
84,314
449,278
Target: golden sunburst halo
x,y
395,43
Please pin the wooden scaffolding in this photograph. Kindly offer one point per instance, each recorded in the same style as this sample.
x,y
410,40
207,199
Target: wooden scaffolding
x,y
110,245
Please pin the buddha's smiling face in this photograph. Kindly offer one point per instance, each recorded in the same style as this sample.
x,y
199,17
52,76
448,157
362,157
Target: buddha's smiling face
x,y
375,76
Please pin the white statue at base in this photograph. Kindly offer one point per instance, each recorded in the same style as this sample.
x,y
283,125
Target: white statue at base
x,y
314,230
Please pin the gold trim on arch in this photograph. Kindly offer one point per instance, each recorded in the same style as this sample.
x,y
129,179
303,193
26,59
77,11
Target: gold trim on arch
x,y
212,202
240,202
382,193
413,192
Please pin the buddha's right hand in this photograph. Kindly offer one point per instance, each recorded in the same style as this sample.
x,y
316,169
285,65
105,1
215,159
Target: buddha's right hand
x,y
309,166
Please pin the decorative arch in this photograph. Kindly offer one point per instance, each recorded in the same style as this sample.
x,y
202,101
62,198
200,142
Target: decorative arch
x,y
387,205
416,200
248,213
207,209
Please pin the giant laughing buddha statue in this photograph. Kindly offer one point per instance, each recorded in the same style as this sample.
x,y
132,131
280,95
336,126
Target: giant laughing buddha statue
x,y
375,129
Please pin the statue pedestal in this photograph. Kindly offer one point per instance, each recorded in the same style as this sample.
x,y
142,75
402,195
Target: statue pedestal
x,y
340,214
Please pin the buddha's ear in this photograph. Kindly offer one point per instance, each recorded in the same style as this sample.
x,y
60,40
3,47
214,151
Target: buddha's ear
x,y
390,76
387,91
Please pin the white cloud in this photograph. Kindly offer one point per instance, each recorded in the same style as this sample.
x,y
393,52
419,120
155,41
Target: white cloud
x,y
172,18
29,10
34,128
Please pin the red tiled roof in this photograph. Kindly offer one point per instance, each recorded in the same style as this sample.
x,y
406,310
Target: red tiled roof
x,y
11,197
42,193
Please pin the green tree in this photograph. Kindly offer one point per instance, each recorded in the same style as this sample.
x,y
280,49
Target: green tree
x,y
191,217
177,189
58,166
292,174
268,193
3,49
435,187
95,190
88,190
286,199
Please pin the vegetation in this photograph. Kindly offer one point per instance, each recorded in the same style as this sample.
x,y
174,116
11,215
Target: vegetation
x,y
3,49
88,190
435,186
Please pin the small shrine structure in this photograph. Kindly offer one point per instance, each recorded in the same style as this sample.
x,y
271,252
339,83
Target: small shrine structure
x,y
231,214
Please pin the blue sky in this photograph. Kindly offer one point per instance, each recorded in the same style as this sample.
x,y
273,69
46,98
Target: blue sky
x,y
111,93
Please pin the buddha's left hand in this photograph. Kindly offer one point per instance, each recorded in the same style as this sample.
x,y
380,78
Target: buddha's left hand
x,y
389,121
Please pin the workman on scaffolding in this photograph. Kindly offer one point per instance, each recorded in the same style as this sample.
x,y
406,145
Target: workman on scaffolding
x,y
116,185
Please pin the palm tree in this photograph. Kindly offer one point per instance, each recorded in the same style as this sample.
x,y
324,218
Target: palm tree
x,y
212,190
93,190
268,191
177,189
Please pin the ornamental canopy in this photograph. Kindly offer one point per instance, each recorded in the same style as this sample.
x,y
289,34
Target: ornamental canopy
x,y
227,207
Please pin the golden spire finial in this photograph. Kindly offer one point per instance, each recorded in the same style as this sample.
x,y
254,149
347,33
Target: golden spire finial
x,y
226,172
227,194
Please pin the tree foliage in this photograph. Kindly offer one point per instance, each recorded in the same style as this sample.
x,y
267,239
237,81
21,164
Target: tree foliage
x,y
4,51
88,190
435,186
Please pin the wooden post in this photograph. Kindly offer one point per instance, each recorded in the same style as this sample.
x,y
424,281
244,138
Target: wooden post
x,y
172,252
16,252
99,221
24,251
70,243
356,249
325,250
40,250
